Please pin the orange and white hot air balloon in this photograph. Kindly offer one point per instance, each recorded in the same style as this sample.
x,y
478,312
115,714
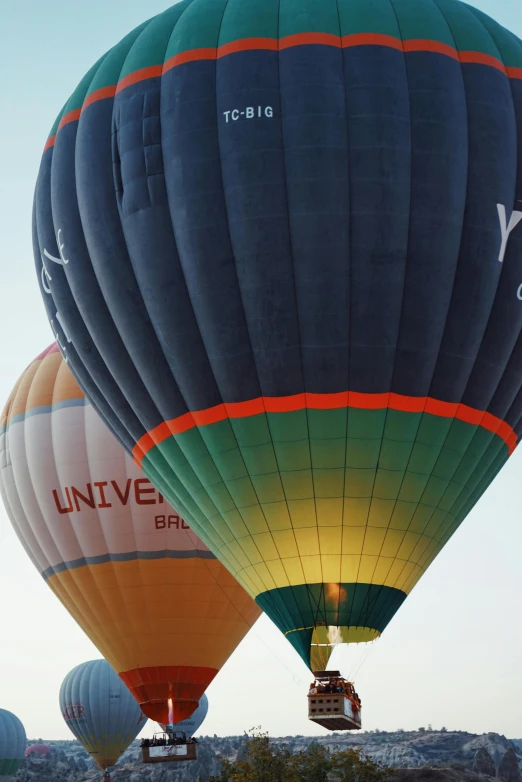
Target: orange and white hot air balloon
x,y
155,601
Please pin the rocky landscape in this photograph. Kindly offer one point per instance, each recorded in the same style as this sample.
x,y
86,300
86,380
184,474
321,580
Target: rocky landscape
x,y
424,755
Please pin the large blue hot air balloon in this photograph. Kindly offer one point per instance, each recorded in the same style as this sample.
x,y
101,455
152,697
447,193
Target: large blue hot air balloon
x,y
13,743
100,711
279,243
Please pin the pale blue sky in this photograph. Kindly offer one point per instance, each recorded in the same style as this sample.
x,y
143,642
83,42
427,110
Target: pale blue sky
x,y
453,654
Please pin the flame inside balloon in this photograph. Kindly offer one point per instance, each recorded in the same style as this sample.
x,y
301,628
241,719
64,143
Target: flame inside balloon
x,y
334,635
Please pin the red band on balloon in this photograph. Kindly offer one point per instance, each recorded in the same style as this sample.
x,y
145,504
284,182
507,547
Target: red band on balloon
x,y
101,94
353,399
477,58
71,116
194,55
371,39
247,45
423,45
299,39
310,39
152,72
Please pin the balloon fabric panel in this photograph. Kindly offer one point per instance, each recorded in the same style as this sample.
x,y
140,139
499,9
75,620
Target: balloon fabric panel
x,y
285,272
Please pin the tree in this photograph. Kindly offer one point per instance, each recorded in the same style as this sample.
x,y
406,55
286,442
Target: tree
x,y
266,762
351,766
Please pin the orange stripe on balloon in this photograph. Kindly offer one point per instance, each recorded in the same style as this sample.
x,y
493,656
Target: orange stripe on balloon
x,y
423,45
371,39
289,41
348,399
478,58
152,72
71,116
247,45
308,39
193,55
101,94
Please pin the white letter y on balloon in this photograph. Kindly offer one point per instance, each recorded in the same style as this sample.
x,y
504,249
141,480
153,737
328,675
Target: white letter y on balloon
x,y
505,228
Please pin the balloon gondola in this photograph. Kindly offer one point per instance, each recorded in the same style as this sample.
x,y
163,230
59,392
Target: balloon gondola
x,y
169,746
333,702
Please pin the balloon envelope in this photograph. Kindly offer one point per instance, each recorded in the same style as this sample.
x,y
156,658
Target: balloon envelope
x,y
100,711
281,249
155,601
38,750
195,721
12,744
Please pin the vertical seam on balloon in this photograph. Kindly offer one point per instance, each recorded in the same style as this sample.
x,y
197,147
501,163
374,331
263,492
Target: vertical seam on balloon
x,y
92,571
129,358
250,536
455,524
367,600
223,544
429,477
181,506
9,507
166,534
98,290
457,510
515,119
449,430
303,379
143,32
50,535
407,561
350,300
127,462
413,442
45,517
468,505
134,279
169,469
477,355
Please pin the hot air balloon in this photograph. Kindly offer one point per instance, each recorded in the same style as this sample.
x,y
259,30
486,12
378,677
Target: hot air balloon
x,y
12,744
100,711
155,601
280,247
194,722
38,751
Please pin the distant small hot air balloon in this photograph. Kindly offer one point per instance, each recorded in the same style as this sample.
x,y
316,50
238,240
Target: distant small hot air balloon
x,y
13,743
38,751
158,605
100,711
194,722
